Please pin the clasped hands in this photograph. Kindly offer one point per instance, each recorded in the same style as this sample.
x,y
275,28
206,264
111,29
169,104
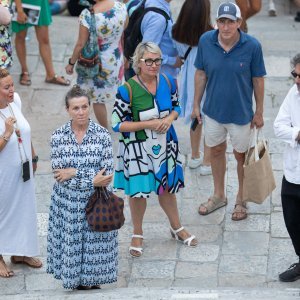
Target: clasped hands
x,y
160,125
61,175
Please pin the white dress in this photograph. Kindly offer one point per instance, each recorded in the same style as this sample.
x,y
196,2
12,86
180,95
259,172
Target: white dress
x,y
18,223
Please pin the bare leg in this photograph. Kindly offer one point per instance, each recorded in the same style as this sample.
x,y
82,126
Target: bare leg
x,y
218,165
137,209
195,137
206,157
240,208
254,8
244,7
168,203
21,49
4,270
101,114
42,35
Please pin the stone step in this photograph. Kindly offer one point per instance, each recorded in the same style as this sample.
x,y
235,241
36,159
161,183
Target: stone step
x,y
164,294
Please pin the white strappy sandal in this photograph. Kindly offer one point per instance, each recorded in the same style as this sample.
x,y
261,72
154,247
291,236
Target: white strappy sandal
x,y
137,249
186,242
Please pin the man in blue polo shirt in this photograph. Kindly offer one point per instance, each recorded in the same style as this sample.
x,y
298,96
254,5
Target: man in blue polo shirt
x,y
230,66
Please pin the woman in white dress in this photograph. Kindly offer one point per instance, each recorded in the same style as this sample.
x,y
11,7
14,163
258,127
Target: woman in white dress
x,y
18,224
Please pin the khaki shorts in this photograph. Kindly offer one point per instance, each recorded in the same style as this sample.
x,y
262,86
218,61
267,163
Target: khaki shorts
x,y
216,134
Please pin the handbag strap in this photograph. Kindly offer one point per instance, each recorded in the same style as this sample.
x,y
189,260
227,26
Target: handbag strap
x,y
254,137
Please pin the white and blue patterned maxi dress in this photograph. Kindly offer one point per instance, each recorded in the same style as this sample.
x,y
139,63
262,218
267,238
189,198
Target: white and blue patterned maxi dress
x,y
77,255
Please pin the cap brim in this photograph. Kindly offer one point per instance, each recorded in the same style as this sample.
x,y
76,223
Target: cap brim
x,y
231,17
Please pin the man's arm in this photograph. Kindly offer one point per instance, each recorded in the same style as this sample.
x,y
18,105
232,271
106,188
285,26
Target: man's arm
x,y
200,84
259,88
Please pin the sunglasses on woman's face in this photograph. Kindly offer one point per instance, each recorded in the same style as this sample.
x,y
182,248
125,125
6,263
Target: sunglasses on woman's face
x,y
149,61
295,75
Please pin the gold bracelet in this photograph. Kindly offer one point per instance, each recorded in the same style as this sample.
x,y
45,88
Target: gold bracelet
x,y
6,139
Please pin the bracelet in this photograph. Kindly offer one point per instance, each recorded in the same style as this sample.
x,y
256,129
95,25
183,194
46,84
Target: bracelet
x,y
70,63
35,159
6,139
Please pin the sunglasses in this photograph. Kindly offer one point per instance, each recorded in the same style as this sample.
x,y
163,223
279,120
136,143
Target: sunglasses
x,y
295,75
149,61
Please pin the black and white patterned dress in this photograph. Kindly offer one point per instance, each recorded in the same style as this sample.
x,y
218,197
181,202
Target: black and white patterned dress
x,y
77,255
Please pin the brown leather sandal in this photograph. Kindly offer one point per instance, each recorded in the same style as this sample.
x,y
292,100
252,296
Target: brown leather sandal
x,y
60,80
25,79
239,212
29,261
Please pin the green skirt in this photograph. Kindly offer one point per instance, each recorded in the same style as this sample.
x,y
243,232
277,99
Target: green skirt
x,y
45,15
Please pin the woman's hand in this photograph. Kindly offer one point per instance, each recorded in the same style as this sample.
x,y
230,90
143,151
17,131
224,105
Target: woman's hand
x,y
61,175
9,126
69,69
165,124
22,17
102,180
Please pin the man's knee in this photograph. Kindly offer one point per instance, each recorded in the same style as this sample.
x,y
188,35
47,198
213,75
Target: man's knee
x,y
240,157
218,150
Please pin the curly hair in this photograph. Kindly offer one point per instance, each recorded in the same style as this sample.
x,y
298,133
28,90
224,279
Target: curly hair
x,y
4,73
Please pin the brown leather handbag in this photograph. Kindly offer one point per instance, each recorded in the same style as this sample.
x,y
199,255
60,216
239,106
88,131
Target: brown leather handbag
x,y
104,210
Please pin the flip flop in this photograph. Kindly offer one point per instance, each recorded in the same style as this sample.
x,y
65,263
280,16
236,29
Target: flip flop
x,y
29,261
55,80
213,203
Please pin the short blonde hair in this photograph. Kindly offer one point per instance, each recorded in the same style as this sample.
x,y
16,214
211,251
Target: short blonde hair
x,y
140,51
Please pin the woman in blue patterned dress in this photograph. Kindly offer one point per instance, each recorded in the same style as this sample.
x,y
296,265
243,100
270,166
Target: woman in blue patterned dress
x,y
81,152
148,159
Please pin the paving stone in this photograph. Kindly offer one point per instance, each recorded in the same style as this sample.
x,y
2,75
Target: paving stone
x,y
281,256
241,280
278,228
201,253
149,282
252,223
36,282
160,250
264,208
153,269
44,184
13,285
243,264
206,233
42,222
276,194
245,243
196,275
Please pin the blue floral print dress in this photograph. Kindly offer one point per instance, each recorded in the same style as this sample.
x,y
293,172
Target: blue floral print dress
x,y
75,254
5,42
147,161
110,27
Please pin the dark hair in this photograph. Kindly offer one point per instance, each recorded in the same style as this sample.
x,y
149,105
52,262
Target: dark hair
x,y
295,60
4,73
192,22
75,92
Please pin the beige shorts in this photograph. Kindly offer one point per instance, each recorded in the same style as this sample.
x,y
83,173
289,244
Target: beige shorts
x,y
216,134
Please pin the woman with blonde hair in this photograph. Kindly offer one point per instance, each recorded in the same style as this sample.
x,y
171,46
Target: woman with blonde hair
x,y
148,158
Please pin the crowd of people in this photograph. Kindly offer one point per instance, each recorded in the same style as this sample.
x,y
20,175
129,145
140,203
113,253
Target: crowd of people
x,y
222,63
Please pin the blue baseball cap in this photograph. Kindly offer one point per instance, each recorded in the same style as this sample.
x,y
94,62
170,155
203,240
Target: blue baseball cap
x,y
229,10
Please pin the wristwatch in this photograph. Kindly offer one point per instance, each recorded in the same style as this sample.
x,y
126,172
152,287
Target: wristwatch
x,y
35,159
70,63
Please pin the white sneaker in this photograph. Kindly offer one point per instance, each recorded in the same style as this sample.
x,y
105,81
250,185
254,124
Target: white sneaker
x,y
195,162
205,170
